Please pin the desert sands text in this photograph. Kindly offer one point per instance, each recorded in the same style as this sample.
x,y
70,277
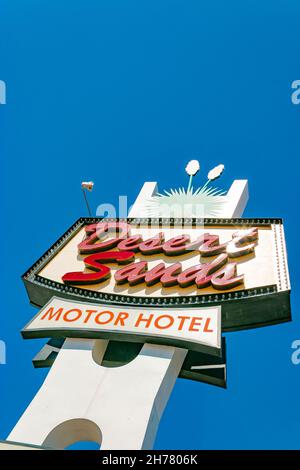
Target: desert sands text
x,y
220,272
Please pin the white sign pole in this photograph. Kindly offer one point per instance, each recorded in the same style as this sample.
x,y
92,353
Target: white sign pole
x,y
120,408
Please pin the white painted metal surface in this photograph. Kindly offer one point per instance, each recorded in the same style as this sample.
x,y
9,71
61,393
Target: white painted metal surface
x,y
125,403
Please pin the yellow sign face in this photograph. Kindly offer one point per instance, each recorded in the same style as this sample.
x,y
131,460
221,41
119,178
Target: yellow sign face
x,y
253,263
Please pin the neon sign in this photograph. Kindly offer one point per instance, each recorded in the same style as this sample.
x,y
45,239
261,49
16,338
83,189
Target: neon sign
x,y
239,264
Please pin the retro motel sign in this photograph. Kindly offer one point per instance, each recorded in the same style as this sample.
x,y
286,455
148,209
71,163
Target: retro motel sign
x,y
131,304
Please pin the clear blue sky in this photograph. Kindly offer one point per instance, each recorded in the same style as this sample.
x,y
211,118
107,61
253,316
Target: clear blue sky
x,y
126,91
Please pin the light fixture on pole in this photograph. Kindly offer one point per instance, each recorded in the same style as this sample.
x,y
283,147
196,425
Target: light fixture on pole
x,y
89,186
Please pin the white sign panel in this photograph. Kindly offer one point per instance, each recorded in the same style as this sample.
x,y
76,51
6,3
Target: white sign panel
x,y
198,328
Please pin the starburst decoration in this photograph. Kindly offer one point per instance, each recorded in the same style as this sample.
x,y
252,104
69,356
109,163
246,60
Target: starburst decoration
x,y
204,201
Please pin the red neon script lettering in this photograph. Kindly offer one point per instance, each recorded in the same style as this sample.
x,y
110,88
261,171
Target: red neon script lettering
x,y
101,272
